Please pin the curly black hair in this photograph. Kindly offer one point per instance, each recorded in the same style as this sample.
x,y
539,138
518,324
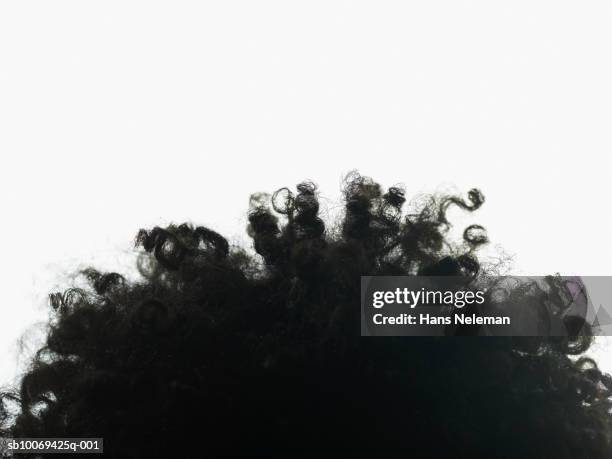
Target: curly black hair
x,y
219,351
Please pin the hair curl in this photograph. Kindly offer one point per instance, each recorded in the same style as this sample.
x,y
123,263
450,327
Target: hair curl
x,y
221,352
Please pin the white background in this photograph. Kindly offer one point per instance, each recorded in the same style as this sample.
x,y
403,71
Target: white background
x,y
121,115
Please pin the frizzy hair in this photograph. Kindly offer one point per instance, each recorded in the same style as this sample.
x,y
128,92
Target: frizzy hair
x,y
221,351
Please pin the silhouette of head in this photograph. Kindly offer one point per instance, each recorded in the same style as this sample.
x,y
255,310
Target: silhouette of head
x,y
217,351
